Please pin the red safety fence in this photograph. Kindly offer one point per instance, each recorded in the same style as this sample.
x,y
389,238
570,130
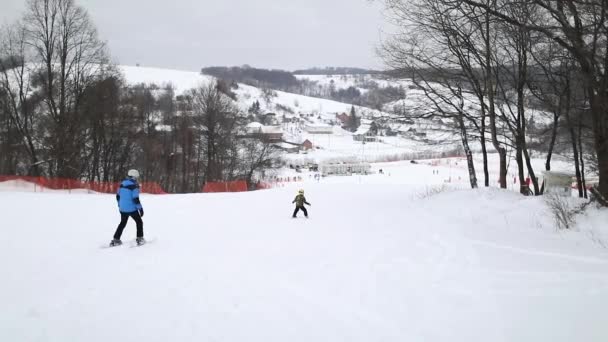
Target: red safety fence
x,y
234,186
74,184
42,183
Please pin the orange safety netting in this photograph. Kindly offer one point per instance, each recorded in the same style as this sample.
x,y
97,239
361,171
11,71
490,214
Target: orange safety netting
x,y
234,186
73,184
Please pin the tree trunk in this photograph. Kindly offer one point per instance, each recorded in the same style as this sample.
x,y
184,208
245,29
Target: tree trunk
x,y
537,190
468,153
484,150
552,142
520,167
502,152
581,156
575,153
599,108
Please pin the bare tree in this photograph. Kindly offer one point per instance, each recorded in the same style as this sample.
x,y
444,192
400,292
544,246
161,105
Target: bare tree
x,y
581,28
71,58
257,157
21,101
455,41
218,115
512,56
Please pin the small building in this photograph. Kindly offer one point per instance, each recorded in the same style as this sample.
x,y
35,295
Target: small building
x,y
343,119
319,129
254,127
367,131
266,133
287,147
345,169
307,145
558,183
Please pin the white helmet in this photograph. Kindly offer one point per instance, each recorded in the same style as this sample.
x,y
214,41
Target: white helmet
x,y
133,173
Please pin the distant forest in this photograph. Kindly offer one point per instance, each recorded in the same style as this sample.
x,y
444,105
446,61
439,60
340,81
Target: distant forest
x,y
261,78
336,71
376,97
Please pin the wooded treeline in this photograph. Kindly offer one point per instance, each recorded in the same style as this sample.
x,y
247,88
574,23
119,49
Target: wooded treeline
x,y
373,95
487,64
66,112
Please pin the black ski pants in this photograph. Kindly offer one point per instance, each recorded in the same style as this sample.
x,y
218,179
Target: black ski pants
x,y
123,223
298,208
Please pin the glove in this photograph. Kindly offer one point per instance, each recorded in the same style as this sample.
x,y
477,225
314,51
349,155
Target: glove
x,y
141,212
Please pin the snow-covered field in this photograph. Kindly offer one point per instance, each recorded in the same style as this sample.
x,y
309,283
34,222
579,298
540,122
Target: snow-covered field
x,y
382,258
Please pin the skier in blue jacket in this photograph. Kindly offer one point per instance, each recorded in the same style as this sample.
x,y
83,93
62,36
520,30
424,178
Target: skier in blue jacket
x,y
129,206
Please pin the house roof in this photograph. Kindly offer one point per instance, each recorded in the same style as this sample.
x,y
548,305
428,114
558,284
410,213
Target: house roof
x,y
286,146
255,125
363,129
318,125
271,130
366,121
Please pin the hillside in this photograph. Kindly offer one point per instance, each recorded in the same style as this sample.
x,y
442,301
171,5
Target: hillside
x,y
184,80
314,111
373,263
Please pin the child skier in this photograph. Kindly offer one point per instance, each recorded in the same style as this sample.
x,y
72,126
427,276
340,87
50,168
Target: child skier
x,y
300,200
129,206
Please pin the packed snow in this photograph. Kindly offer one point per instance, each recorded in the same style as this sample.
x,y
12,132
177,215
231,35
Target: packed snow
x,y
398,256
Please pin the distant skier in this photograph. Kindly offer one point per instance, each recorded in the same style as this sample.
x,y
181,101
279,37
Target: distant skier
x,y
300,200
129,206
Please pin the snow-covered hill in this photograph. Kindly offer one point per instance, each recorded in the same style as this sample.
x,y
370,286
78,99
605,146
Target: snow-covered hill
x,y
246,95
387,260
337,146
420,138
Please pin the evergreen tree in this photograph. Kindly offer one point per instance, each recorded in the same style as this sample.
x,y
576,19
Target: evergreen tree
x,y
354,121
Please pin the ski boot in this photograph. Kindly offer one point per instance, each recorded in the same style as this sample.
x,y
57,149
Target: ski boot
x,y
140,240
115,242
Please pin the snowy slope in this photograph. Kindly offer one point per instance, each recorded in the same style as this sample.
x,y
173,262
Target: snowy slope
x,y
374,263
181,80
246,95
315,110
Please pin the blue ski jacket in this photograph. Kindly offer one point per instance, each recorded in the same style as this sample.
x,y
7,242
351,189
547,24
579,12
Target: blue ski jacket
x,y
128,196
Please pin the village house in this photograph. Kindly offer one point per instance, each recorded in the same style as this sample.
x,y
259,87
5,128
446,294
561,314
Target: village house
x,y
265,133
292,147
343,119
287,147
367,131
319,129
307,145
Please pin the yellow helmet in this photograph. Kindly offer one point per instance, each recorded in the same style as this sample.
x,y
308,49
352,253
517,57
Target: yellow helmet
x,y
301,191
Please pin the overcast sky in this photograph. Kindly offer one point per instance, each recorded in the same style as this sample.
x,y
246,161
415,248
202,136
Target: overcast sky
x,y
190,34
